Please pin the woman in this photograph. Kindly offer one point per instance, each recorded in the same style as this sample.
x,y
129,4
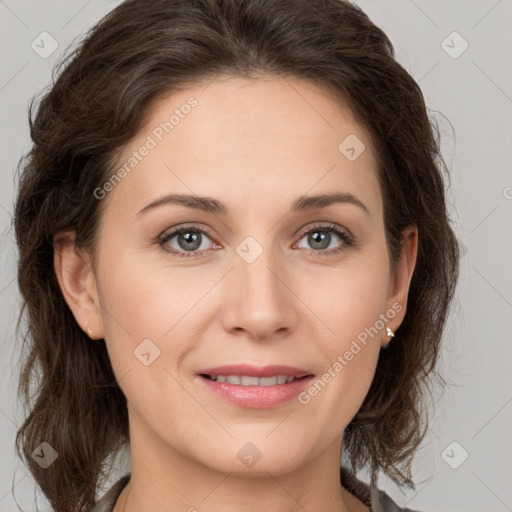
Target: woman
x,y
235,257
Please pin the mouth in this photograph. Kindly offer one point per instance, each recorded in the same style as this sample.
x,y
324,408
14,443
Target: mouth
x,y
255,388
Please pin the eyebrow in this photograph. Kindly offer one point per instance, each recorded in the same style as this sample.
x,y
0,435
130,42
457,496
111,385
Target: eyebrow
x,y
210,205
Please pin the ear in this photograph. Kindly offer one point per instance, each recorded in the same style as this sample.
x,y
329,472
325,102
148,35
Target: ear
x,y
78,283
401,277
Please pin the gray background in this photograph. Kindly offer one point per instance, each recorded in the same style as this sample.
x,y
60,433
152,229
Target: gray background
x,y
470,96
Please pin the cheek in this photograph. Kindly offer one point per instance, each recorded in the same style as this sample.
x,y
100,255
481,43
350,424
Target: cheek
x,y
348,298
144,312
351,303
143,298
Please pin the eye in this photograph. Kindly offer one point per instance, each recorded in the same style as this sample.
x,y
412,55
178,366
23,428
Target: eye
x,y
320,238
189,242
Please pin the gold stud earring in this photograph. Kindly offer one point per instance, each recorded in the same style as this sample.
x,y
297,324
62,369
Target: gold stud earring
x,y
389,332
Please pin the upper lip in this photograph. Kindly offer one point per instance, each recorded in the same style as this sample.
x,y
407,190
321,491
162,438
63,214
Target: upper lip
x,y
255,371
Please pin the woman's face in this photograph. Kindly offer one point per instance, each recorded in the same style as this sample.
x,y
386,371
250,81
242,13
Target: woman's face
x,y
256,276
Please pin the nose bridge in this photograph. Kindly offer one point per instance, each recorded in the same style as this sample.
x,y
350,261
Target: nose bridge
x,y
260,303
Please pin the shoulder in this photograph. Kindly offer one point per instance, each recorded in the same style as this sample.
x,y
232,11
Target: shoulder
x,y
107,502
377,500
381,502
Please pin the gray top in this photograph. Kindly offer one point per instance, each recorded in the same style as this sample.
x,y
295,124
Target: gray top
x,y
377,500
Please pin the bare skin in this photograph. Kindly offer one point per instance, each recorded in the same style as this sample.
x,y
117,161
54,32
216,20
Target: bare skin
x,y
256,146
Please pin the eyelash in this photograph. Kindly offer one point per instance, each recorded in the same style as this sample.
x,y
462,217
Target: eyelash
x,y
347,240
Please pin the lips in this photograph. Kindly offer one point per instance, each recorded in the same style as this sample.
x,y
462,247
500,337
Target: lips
x,y
256,387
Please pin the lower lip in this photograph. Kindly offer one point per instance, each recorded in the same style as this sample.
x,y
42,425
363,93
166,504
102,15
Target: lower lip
x,y
257,397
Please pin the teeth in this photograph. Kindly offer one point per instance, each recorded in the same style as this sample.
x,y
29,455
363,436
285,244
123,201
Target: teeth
x,y
267,381
246,380
249,381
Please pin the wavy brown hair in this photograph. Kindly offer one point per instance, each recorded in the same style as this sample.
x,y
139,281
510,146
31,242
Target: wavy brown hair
x,y
103,90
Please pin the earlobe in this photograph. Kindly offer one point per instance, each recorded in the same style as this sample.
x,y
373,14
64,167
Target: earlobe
x,y
77,283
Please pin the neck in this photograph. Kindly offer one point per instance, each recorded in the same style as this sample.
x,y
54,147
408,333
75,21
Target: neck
x,y
163,479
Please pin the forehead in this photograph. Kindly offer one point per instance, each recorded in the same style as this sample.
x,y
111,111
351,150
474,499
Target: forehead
x,y
252,138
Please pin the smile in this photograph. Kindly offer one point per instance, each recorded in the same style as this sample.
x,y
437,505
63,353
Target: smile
x,y
252,392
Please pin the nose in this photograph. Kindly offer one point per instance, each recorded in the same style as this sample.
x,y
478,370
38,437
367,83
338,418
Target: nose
x,y
260,299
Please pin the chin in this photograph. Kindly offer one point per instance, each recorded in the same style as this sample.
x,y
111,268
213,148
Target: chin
x,y
256,457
